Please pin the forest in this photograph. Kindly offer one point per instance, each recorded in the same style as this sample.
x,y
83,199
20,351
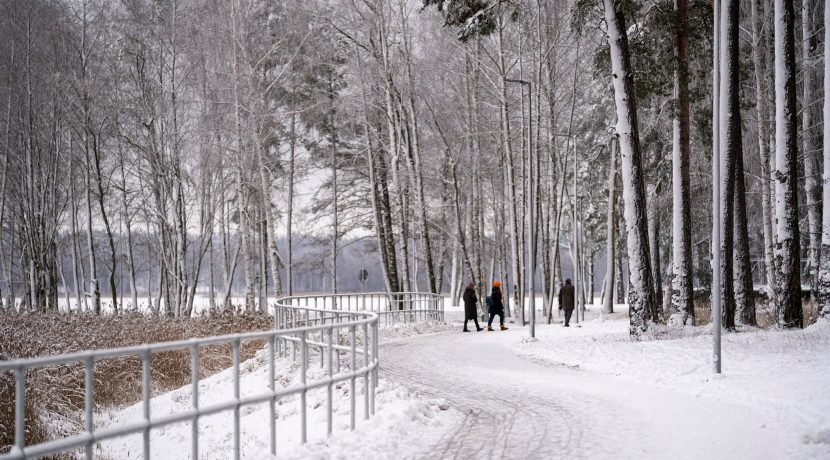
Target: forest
x,y
156,151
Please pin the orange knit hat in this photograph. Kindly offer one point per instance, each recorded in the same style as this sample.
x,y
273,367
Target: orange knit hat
x,y
496,284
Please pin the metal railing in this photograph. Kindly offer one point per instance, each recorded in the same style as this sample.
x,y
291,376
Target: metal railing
x,y
391,308
339,329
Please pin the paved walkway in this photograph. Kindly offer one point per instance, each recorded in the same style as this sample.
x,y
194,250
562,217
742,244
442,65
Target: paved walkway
x,y
516,408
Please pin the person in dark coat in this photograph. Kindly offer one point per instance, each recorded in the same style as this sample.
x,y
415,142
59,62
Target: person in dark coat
x,y
566,300
471,307
495,305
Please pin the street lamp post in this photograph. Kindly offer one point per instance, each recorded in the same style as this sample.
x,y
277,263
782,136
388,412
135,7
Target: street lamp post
x,y
716,234
531,229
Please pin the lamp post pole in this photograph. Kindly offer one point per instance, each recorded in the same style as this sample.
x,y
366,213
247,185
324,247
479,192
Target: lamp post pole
x,y
716,205
530,267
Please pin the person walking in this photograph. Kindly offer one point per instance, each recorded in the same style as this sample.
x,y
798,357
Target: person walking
x,y
566,300
495,306
471,307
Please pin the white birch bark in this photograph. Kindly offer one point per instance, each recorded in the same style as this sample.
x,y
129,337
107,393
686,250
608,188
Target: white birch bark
x,y
767,213
682,306
608,286
823,290
809,147
641,289
788,246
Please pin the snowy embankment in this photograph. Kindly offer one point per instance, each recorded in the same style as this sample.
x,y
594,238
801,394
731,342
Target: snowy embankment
x,y
404,423
781,377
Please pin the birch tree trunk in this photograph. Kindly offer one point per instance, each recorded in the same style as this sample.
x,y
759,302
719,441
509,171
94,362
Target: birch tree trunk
x,y
292,147
242,196
762,108
682,305
641,291
823,290
810,146
608,288
654,251
788,245
414,151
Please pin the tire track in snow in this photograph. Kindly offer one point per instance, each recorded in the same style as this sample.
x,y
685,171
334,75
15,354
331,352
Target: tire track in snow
x,y
510,412
519,408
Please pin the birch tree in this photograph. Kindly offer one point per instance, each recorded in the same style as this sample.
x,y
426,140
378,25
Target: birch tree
x,y
682,309
823,291
812,183
788,246
641,291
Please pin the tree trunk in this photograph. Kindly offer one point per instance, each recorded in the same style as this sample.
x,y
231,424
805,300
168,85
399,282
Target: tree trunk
x,y
94,290
810,146
681,276
763,146
242,196
654,250
823,290
744,293
730,148
608,288
641,291
289,268
788,245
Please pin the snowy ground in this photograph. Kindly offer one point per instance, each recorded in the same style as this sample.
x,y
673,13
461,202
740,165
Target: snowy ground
x,y
403,421
588,392
779,378
580,392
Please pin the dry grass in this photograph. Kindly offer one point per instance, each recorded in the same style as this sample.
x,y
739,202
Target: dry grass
x,y
55,395
765,316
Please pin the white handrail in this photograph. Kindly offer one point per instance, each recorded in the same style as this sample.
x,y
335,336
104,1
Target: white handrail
x,y
295,326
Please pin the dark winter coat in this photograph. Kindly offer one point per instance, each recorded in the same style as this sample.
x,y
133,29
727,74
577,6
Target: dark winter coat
x,y
470,301
566,297
497,305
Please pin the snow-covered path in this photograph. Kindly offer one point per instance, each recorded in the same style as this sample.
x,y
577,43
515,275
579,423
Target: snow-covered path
x,y
518,408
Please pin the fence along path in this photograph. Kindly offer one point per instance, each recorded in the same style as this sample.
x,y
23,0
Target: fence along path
x,y
301,323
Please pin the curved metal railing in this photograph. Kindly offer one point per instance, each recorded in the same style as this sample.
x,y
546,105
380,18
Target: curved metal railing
x,y
345,337
391,308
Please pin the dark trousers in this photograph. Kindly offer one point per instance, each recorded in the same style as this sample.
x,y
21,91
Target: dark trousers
x,y
474,319
493,315
568,313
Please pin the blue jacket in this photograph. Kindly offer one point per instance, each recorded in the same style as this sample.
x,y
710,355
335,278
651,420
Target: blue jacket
x,y
497,304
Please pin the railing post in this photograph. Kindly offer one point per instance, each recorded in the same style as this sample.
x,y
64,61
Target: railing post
x,y
146,393
330,374
194,377
366,371
375,360
89,394
321,347
20,409
303,370
271,403
353,380
236,424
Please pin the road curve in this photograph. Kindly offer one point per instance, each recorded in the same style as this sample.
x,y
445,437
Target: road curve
x,y
517,408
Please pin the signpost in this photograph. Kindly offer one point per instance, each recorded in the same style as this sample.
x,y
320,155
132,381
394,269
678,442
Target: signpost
x,y
362,276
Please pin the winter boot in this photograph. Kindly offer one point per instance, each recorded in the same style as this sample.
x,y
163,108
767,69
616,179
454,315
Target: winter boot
x,y
480,329
503,327
466,330
489,328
